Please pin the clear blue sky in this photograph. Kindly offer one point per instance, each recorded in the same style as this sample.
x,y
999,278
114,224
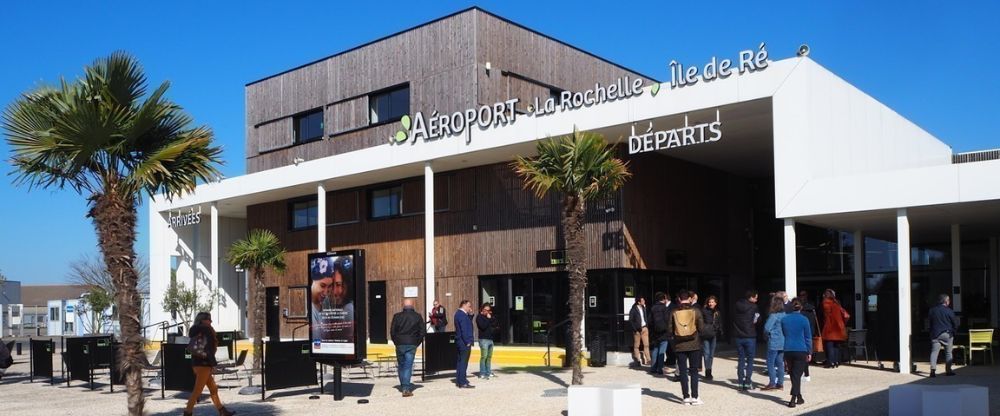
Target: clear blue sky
x,y
933,63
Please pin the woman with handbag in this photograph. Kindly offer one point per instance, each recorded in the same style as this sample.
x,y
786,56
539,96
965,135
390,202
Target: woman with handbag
x,y
834,328
202,347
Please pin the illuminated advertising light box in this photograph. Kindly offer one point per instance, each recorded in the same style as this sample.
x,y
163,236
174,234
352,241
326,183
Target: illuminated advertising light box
x,y
336,295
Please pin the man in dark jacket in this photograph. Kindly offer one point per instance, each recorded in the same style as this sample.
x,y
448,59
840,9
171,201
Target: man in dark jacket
x,y
463,341
407,331
944,324
745,318
637,318
809,311
685,324
487,325
659,337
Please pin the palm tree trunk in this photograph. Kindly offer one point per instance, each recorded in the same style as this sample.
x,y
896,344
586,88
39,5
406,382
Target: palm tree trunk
x,y
114,217
258,318
572,222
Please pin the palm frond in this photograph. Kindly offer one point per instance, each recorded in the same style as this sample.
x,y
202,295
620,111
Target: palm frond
x,y
261,249
581,164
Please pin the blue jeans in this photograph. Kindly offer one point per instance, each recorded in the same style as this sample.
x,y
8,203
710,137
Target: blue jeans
x,y
747,349
687,365
708,351
775,367
658,357
404,360
462,366
832,355
485,357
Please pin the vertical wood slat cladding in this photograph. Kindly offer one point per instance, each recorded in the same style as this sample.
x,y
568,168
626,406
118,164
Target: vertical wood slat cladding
x,y
534,56
525,91
493,226
346,115
343,206
272,135
437,60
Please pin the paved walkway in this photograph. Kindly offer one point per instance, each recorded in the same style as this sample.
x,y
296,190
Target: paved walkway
x,y
847,390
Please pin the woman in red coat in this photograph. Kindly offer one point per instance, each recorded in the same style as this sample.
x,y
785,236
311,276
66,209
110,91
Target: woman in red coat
x,y
834,327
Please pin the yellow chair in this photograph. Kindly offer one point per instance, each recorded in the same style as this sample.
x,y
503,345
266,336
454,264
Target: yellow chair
x,y
980,340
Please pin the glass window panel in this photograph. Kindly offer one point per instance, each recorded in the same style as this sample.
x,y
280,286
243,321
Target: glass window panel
x,y
389,105
308,126
385,202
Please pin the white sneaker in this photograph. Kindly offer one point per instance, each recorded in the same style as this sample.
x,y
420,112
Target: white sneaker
x,y
688,401
788,376
805,378
696,402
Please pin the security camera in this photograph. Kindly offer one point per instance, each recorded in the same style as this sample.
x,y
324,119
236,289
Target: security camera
x,y
803,50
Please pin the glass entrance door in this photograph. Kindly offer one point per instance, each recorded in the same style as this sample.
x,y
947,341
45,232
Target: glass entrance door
x,y
527,306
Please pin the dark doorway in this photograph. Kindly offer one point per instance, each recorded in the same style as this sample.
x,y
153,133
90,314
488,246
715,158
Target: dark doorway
x,y
527,306
273,313
376,313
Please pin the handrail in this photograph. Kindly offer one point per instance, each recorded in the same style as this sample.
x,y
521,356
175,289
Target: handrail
x,y
152,325
297,328
548,341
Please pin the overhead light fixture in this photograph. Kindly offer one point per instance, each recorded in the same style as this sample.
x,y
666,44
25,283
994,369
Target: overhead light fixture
x,y
298,160
488,67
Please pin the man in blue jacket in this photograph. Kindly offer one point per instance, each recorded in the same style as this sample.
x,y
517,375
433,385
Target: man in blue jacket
x,y
944,324
463,340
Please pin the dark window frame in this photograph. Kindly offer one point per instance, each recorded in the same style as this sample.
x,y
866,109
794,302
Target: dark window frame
x,y
370,194
296,118
291,213
388,91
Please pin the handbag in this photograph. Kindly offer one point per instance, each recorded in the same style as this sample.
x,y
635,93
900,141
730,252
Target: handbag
x,y
196,346
817,344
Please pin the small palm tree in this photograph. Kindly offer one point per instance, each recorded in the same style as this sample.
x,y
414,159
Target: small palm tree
x,y
104,137
261,249
581,167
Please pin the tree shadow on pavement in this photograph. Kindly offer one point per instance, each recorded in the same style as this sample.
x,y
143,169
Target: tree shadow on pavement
x,y
243,408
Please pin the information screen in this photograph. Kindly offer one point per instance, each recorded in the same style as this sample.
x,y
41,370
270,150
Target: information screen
x,y
336,314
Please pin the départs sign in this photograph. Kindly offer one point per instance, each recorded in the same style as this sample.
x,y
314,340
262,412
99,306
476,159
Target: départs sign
x,y
437,126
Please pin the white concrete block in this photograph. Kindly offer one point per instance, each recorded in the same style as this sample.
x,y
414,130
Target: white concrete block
x,y
605,400
952,400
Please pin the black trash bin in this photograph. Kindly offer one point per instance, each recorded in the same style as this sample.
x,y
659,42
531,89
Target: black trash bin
x,y
598,352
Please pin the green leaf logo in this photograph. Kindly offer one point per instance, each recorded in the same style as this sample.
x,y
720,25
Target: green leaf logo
x,y
405,121
655,89
400,136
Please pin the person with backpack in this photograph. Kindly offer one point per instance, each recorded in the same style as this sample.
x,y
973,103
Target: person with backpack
x,y
684,325
713,331
775,345
202,348
659,337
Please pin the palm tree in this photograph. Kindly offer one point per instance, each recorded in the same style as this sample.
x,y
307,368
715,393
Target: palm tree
x,y
261,249
581,167
104,137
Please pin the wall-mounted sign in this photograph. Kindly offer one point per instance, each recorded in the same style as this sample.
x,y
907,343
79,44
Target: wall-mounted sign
x,y
182,220
519,303
592,301
627,307
410,291
706,132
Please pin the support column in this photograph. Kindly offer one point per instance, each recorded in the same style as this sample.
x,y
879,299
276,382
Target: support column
x,y
215,257
994,292
956,267
429,293
791,269
903,260
859,280
321,218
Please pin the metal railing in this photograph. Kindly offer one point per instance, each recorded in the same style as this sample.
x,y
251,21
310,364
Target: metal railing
x,y
977,156
548,341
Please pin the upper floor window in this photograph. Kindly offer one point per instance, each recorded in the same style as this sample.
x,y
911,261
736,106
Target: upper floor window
x,y
304,214
386,202
308,126
389,105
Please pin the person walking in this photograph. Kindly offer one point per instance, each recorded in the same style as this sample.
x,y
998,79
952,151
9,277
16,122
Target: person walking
x,y
834,328
659,315
684,325
798,348
463,341
944,325
712,333
745,318
809,311
439,317
202,347
486,324
407,331
775,345
640,332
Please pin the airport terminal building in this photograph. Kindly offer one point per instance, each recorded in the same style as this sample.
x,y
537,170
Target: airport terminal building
x,y
748,172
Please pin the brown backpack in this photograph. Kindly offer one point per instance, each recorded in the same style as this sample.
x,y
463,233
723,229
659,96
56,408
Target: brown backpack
x,y
685,325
